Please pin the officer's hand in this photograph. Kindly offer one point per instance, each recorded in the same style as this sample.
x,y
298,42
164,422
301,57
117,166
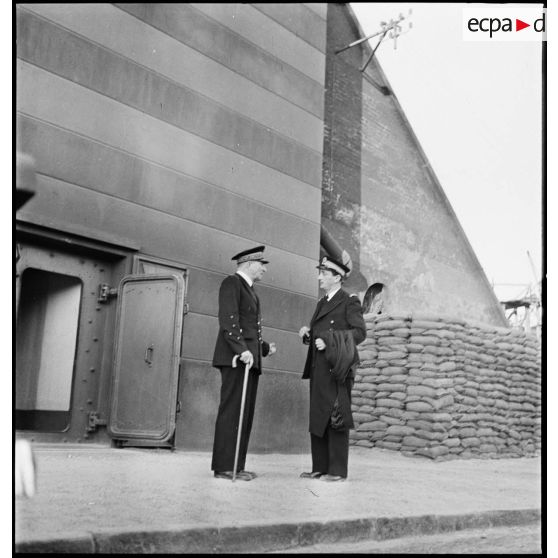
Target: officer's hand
x,y
272,349
320,344
304,330
247,358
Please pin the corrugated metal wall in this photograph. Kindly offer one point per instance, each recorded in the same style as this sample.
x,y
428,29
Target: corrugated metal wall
x,y
194,131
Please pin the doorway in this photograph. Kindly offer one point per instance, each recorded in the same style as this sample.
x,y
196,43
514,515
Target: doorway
x,y
64,335
47,330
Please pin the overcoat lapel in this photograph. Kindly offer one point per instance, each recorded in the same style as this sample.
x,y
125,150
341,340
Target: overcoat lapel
x,y
328,306
249,289
319,306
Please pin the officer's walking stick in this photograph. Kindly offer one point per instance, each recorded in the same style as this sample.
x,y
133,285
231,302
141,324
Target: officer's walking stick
x,y
246,370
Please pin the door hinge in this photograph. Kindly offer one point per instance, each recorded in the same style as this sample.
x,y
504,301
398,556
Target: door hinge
x,y
178,406
186,308
106,292
95,421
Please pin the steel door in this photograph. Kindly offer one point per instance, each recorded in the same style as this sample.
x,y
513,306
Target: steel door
x,y
146,361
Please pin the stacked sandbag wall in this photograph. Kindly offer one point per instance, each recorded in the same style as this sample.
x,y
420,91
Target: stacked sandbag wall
x,y
447,388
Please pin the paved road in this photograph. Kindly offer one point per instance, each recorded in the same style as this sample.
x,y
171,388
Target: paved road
x,y
524,539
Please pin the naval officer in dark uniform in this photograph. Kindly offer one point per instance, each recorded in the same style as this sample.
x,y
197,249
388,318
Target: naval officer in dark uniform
x,y
336,328
239,342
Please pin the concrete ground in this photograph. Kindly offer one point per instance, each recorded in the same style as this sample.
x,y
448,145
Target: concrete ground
x,y
99,499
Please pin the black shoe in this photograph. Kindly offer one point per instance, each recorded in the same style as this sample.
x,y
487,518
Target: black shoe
x,y
313,475
333,478
229,475
250,473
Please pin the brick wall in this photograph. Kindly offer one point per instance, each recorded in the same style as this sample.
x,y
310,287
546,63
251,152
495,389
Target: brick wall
x,y
381,200
342,173
447,388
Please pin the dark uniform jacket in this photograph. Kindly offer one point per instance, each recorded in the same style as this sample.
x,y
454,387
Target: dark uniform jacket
x,y
239,324
342,312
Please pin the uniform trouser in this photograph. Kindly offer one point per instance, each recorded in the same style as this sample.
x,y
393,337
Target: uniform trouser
x,y
226,425
330,453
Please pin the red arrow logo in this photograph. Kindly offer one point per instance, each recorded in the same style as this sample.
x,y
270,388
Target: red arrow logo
x,y
519,25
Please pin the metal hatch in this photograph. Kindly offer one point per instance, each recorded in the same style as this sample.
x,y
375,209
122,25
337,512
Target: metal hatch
x,y
146,359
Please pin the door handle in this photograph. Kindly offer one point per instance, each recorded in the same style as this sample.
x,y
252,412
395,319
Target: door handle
x,y
149,355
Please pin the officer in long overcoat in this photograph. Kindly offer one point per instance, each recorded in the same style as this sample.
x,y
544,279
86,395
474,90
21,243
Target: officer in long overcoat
x,y
337,320
239,342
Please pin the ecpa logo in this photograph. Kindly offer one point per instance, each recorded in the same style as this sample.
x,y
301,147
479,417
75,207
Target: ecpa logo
x,y
504,24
